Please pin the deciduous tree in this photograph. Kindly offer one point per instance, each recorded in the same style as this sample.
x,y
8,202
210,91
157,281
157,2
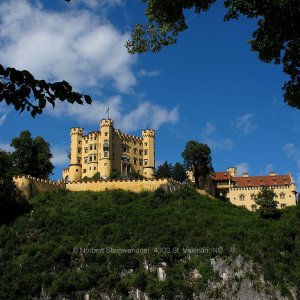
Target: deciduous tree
x,y
268,205
197,158
276,39
31,156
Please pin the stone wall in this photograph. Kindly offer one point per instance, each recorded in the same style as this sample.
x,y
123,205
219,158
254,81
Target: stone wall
x,y
127,185
32,186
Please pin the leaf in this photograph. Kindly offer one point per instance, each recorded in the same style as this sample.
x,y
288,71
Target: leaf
x,y
88,99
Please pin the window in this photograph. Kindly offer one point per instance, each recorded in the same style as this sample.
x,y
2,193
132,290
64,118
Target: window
x,y
135,161
282,195
84,170
105,153
242,197
146,152
76,170
94,168
91,147
146,162
95,138
79,142
141,162
90,158
283,205
95,157
79,150
141,152
106,133
85,149
146,144
134,150
78,160
85,160
253,207
95,147
252,196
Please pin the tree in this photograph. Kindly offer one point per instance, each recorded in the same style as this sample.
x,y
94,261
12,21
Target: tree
x,y
11,201
31,156
197,158
268,205
276,39
164,170
179,172
18,87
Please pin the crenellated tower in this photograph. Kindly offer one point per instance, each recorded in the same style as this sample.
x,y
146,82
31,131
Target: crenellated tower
x,y
148,137
75,168
106,149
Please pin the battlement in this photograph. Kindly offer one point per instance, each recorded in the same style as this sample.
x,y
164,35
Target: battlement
x,y
76,130
134,185
107,123
31,186
148,133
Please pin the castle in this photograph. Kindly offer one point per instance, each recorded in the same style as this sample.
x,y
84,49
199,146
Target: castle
x,y
242,190
109,150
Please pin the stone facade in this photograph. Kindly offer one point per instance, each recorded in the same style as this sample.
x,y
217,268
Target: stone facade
x,y
242,190
109,150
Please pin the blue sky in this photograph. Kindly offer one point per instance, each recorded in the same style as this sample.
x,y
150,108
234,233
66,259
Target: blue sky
x,y
208,87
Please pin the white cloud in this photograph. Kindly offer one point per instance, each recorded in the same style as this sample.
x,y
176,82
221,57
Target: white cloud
x,y
76,45
2,119
60,156
242,167
146,73
102,4
145,115
215,143
3,112
6,147
245,123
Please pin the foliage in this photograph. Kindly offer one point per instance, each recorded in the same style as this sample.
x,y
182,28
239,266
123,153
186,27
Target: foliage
x,y
11,201
46,247
268,205
164,170
197,158
31,156
167,170
17,88
276,39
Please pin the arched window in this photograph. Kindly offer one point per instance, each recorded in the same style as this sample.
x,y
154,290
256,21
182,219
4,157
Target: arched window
x,y
242,197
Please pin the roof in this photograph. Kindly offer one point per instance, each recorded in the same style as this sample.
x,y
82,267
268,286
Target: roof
x,y
221,176
262,180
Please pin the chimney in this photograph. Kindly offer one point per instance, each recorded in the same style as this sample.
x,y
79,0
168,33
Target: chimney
x,y
272,173
245,174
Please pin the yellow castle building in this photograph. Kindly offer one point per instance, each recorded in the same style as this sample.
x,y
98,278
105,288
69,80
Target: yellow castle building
x,y
242,190
109,150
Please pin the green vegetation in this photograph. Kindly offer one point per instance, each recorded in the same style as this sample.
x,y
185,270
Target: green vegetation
x,y
45,248
197,158
267,204
166,170
12,202
31,156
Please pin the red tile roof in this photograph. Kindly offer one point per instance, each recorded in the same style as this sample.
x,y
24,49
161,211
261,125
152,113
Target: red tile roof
x,y
221,176
262,180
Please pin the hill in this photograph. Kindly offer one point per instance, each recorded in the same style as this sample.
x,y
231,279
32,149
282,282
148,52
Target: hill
x,y
114,243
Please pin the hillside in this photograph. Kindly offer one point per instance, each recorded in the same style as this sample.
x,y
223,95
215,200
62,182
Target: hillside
x,y
74,243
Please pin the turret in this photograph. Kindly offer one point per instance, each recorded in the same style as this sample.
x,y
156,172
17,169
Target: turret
x,y
75,169
148,153
232,171
106,151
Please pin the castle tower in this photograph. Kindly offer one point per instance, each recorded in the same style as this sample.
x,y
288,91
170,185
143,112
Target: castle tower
x,y
148,153
232,171
106,150
75,168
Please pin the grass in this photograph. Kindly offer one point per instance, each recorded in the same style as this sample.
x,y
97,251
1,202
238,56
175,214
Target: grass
x,y
37,250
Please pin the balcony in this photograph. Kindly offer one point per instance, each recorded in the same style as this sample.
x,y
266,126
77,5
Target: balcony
x,y
106,144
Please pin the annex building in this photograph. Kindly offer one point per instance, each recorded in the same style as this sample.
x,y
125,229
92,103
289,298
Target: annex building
x,y
109,150
242,190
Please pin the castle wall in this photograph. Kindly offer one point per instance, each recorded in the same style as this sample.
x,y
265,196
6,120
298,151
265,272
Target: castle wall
x,y
128,185
245,196
32,186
